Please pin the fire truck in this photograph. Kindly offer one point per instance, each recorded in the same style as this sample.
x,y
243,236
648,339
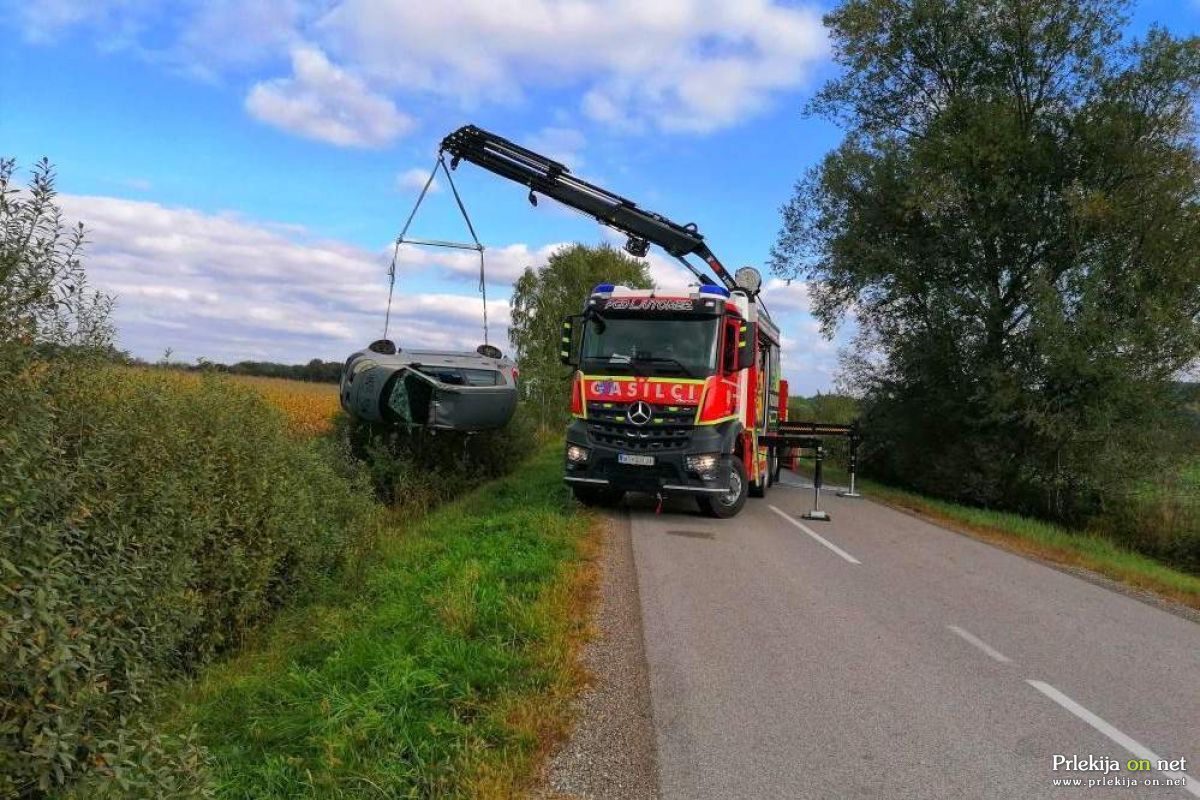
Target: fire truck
x,y
672,392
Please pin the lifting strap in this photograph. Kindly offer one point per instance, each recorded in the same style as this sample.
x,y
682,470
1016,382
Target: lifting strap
x,y
404,239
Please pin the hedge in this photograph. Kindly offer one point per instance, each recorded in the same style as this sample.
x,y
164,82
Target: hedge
x,y
147,523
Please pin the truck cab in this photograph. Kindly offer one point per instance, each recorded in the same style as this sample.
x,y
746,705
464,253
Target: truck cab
x,y
669,395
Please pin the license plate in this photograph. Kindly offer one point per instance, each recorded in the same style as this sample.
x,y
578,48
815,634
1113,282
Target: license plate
x,y
640,461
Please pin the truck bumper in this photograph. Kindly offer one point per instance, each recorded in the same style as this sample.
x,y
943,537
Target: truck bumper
x,y
667,475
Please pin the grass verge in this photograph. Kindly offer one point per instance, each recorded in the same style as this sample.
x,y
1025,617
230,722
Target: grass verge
x,y
1036,538
448,673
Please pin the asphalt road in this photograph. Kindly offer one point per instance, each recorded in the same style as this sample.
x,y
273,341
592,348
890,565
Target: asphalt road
x,y
896,659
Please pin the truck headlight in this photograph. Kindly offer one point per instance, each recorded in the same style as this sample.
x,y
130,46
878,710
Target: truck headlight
x,y
704,465
577,454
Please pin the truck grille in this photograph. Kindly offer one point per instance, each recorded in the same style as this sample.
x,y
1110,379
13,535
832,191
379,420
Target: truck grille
x,y
669,428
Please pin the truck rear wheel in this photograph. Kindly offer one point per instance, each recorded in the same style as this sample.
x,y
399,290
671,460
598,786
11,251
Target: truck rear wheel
x,y
598,496
724,506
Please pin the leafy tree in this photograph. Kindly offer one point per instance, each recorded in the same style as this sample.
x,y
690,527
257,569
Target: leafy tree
x,y
44,299
541,298
1013,219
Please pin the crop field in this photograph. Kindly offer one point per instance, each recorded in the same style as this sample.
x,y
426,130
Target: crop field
x,y
309,407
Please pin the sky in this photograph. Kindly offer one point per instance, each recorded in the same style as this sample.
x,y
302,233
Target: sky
x,y
243,166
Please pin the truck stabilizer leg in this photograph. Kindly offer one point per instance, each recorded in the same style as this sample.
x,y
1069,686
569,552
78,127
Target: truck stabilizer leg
x,y
853,467
816,513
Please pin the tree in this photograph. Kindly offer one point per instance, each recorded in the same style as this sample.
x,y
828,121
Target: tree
x,y
1013,219
44,299
541,298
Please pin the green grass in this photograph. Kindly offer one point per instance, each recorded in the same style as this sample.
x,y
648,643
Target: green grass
x,y
446,674
1035,537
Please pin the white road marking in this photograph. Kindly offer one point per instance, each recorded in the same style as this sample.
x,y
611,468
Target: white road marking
x,y
980,643
816,536
1133,746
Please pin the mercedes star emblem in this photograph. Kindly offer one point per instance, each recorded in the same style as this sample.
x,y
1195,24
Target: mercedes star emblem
x,y
640,412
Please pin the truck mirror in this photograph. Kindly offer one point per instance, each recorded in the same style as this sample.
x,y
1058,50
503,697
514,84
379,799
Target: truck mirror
x,y
745,346
566,349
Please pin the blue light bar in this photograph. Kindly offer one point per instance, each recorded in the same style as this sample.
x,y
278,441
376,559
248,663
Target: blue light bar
x,y
602,288
710,289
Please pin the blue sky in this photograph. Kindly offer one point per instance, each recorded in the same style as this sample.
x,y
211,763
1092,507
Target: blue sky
x,y
243,166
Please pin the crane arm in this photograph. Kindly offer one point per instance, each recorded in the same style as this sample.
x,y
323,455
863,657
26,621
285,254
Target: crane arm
x,y
545,176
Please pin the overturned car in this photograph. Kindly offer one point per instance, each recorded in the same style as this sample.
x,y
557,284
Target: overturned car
x,y
441,390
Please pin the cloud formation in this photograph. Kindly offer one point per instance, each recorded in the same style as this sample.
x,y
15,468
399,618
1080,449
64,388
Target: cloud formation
x,y
325,102
682,65
228,288
685,65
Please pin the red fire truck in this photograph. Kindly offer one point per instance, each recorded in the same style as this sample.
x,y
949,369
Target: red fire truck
x,y
674,392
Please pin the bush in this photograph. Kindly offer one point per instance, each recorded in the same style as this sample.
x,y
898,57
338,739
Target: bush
x,y
147,522
1159,517
416,469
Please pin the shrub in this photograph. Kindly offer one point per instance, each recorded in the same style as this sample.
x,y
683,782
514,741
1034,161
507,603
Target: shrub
x,y
416,469
1159,517
146,524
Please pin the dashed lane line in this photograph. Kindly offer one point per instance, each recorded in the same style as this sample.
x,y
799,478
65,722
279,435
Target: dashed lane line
x,y
1132,745
971,638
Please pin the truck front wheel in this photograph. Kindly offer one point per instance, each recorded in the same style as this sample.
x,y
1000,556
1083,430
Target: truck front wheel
x,y
597,496
724,506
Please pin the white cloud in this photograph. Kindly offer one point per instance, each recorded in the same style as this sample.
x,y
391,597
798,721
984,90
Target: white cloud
x,y
693,65
203,38
502,264
227,288
45,20
220,35
782,296
667,273
673,65
413,180
325,102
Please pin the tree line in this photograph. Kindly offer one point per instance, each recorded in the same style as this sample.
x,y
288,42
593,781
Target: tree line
x,y
1013,221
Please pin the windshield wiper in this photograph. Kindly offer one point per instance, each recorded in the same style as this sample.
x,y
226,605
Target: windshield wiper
x,y
666,360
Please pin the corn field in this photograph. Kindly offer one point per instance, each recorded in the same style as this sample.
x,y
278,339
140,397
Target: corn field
x,y
309,407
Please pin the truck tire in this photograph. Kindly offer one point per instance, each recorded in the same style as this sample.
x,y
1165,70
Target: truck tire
x,y
597,496
724,506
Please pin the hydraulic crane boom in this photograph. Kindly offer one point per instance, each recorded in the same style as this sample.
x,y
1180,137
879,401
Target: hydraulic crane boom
x,y
544,176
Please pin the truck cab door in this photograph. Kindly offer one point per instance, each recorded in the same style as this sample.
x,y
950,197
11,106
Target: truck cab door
x,y
723,400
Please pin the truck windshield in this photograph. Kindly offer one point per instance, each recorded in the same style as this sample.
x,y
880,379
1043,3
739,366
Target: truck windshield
x,y
684,346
